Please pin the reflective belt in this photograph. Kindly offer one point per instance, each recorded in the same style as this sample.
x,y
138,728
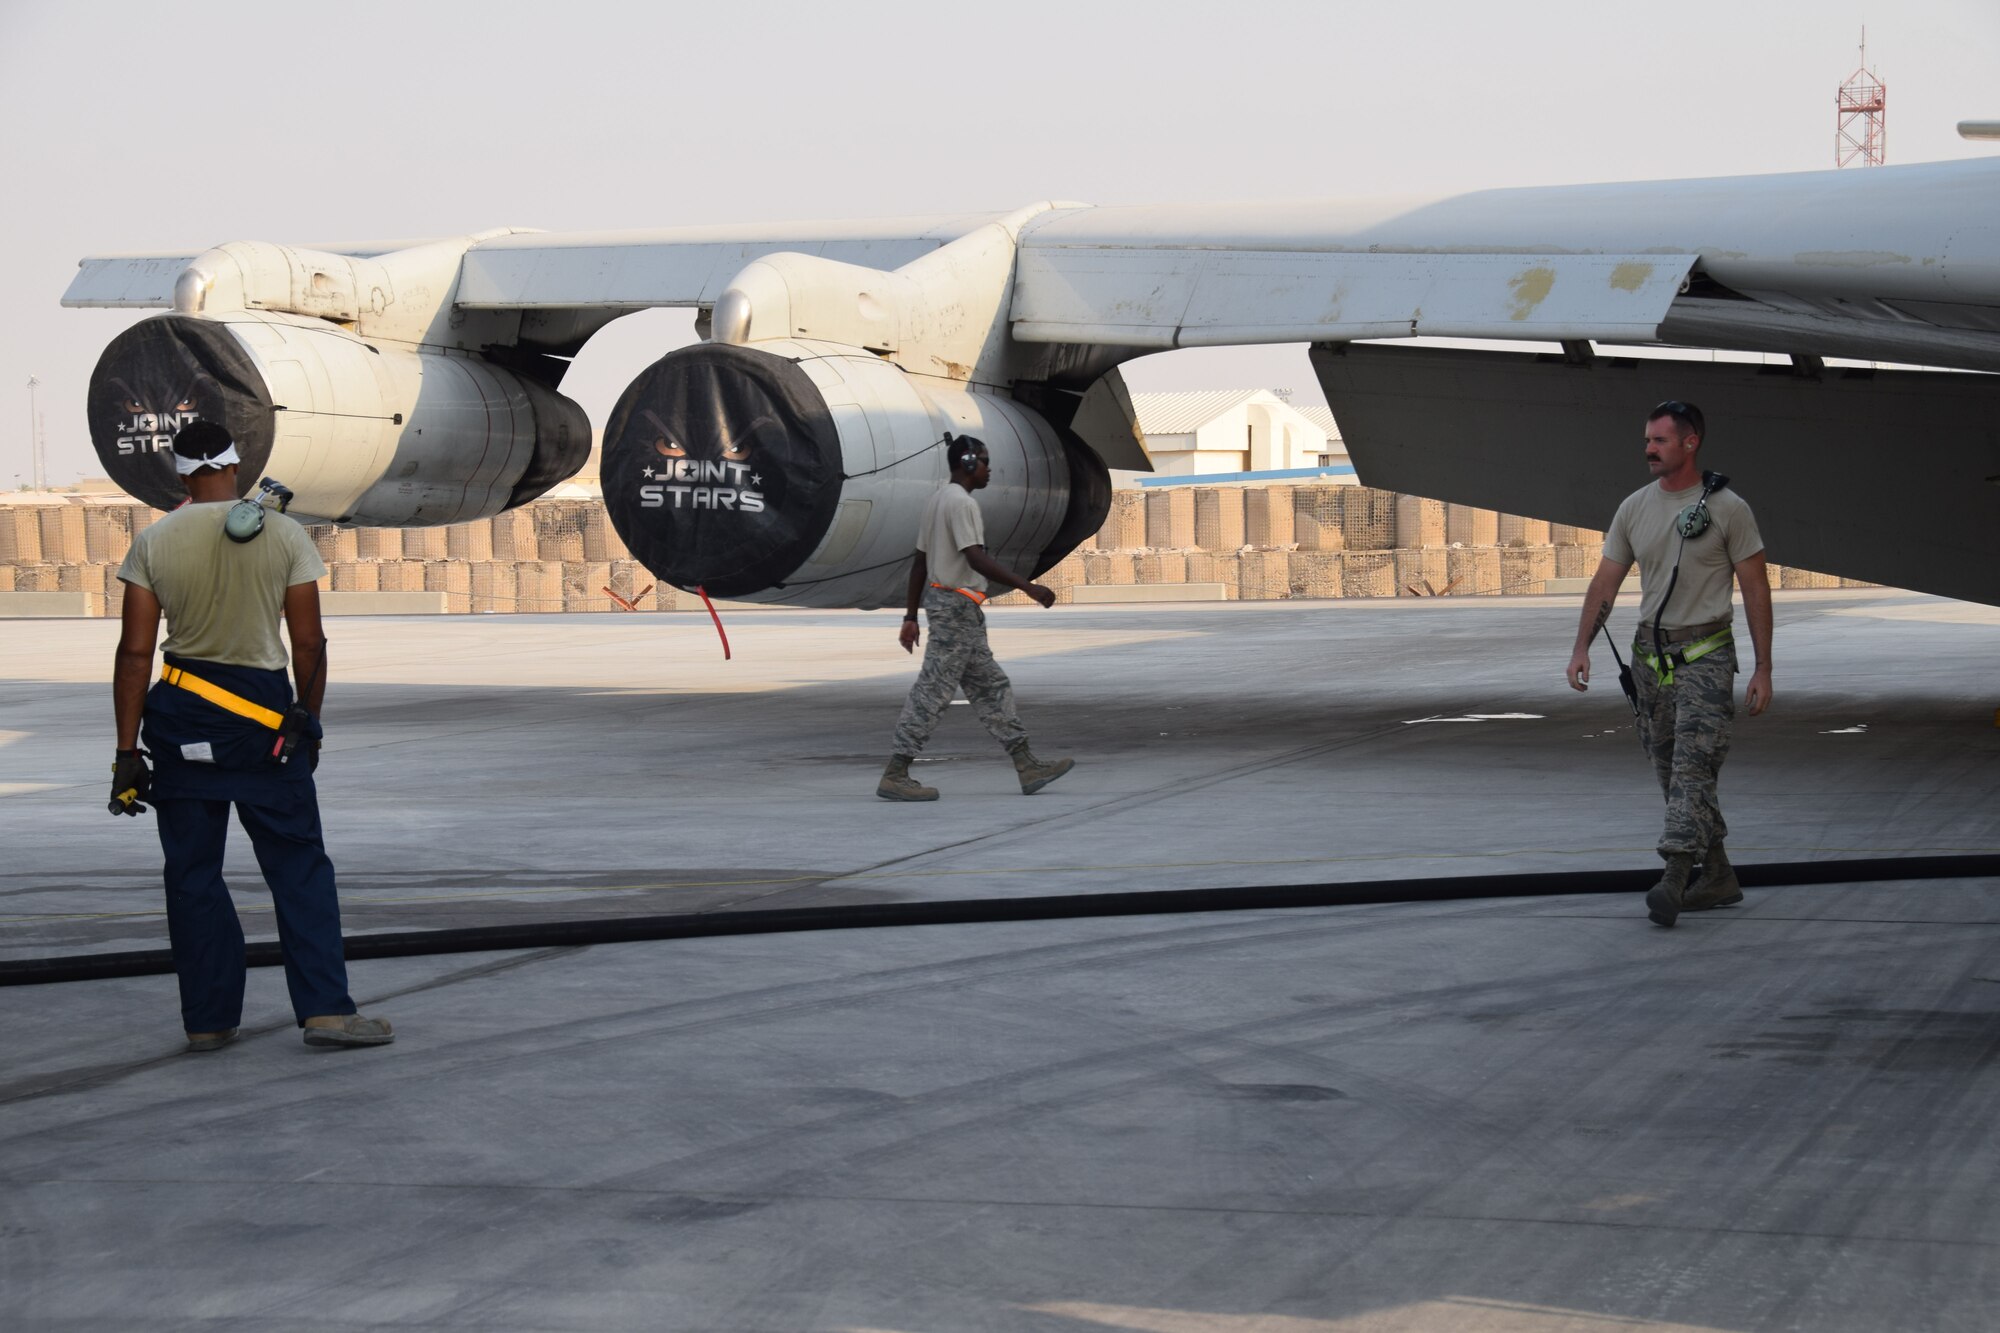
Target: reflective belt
x,y
978,598
1694,652
220,697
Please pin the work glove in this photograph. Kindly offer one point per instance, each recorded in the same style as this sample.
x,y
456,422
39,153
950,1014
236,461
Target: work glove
x,y
131,783
312,758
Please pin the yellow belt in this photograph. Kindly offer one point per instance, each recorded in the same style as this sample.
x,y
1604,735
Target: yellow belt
x,y
1694,652
220,697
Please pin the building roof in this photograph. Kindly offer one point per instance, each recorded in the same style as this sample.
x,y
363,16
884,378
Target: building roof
x,y
1322,417
1185,412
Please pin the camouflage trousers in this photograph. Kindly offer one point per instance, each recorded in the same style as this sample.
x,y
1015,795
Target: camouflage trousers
x,y
957,655
1685,728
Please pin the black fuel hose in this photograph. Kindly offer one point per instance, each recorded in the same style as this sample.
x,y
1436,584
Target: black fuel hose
x,y
1044,907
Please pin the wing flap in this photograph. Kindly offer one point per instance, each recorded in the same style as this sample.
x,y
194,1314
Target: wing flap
x,y
1178,297
678,267
1558,440
636,276
125,282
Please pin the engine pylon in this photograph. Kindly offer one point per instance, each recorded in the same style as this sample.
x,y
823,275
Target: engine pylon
x,y
944,314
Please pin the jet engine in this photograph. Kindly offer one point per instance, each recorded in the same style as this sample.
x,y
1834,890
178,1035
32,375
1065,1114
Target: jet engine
x,y
794,471
393,435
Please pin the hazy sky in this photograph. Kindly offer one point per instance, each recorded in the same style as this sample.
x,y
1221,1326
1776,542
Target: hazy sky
x,y
151,126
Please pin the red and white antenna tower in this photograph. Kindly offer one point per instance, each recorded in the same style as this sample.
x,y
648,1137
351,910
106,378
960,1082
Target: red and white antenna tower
x,y
1861,134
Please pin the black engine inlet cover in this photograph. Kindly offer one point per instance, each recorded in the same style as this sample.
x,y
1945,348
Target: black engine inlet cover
x,y
158,376
721,468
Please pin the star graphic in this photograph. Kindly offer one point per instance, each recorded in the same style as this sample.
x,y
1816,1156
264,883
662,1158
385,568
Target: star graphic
x,y
646,472
756,480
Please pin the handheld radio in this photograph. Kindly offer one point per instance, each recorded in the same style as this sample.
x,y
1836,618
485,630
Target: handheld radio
x,y
298,718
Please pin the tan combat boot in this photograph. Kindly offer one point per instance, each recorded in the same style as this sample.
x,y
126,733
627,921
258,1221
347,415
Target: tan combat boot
x,y
347,1030
1035,774
1715,886
898,785
1664,900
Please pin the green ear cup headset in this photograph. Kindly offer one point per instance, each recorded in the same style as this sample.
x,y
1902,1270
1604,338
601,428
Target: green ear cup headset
x,y
1695,519
246,517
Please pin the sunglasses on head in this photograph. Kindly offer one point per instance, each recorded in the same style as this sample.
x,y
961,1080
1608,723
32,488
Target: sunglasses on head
x,y
1687,415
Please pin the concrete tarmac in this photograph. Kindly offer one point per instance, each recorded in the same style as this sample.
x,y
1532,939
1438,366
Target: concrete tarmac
x,y
1532,1114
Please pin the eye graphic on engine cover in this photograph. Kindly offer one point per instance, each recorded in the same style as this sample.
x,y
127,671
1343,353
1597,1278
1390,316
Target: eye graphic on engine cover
x,y
721,468
158,376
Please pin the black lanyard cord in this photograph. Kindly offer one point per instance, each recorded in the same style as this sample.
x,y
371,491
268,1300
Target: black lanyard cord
x,y
319,664
1711,483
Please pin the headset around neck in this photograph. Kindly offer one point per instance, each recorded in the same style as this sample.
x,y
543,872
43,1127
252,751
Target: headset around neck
x,y
1692,522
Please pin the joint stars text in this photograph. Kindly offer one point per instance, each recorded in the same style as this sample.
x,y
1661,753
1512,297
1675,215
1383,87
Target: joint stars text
x,y
151,432
679,478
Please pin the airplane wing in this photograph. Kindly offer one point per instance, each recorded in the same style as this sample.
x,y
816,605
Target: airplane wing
x,y
843,349
1085,277
1891,263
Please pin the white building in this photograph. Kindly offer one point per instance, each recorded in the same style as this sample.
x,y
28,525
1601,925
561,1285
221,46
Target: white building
x,y
1218,431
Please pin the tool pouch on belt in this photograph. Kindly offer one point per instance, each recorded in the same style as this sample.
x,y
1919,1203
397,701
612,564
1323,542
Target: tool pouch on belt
x,y
211,725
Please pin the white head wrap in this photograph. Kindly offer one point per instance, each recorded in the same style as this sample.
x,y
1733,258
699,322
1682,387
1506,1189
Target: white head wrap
x,y
188,466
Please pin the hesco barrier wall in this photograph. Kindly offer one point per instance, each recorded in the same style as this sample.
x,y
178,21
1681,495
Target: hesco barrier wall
x,y
1257,542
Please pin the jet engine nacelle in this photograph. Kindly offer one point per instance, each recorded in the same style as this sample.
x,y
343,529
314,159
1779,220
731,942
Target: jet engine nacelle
x,y
377,436
795,471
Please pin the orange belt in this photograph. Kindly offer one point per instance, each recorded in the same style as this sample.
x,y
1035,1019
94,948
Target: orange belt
x,y
978,598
